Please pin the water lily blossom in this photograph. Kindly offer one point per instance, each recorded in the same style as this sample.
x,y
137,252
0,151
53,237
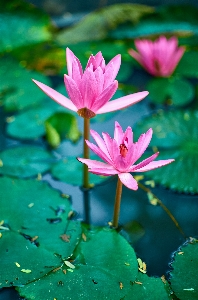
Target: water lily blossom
x,y
120,155
91,90
159,58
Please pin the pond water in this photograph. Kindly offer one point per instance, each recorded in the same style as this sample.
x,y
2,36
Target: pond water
x,y
147,227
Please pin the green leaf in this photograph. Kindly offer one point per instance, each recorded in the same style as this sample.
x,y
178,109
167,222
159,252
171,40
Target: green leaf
x,y
171,91
22,261
17,91
30,124
70,170
96,24
154,27
25,161
31,203
184,274
45,58
149,288
188,65
99,275
59,237
22,25
36,231
176,135
62,125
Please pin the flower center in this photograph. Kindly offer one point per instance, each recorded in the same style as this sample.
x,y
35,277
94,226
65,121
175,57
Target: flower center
x,y
123,150
86,113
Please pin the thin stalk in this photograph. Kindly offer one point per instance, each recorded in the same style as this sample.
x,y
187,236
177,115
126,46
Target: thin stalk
x,y
86,154
147,190
117,204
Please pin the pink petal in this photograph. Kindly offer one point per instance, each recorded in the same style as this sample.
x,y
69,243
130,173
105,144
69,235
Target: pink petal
x,y
108,142
104,97
128,180
91,61
135,55
118,133
100,142
99,76
155,164
112,69
73,92
99,152
94,163
109,76
76,74
88,88
103,171
99,59
122,102
59,98
70,57
143,143
144,162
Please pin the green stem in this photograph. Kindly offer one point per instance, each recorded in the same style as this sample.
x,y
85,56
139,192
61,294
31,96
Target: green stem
x,y
117,204
86,154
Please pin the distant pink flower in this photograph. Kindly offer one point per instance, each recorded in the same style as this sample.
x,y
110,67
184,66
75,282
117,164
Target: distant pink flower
x,y
160,57
91,91
120,155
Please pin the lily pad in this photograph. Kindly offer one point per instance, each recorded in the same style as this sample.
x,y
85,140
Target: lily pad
x,y
31,203
30,124
70,170
22,261
45,58
95,25
145,287
36,231
188,65
17,90
25,161
19,20
61,126
175,134
184,274
171,91
98,276
154,27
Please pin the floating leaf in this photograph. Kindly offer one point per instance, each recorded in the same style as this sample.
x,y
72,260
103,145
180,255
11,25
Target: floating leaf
x,y
154,27
149,288
45,58
22,25
171,91
30,124
34,261
184,274
97,277
70,170
17,90
96,24
188,65
19,215
25,161
63,125
176,135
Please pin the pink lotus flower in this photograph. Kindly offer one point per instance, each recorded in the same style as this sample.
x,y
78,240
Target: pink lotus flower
x,y
159,58
91,91
120,155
